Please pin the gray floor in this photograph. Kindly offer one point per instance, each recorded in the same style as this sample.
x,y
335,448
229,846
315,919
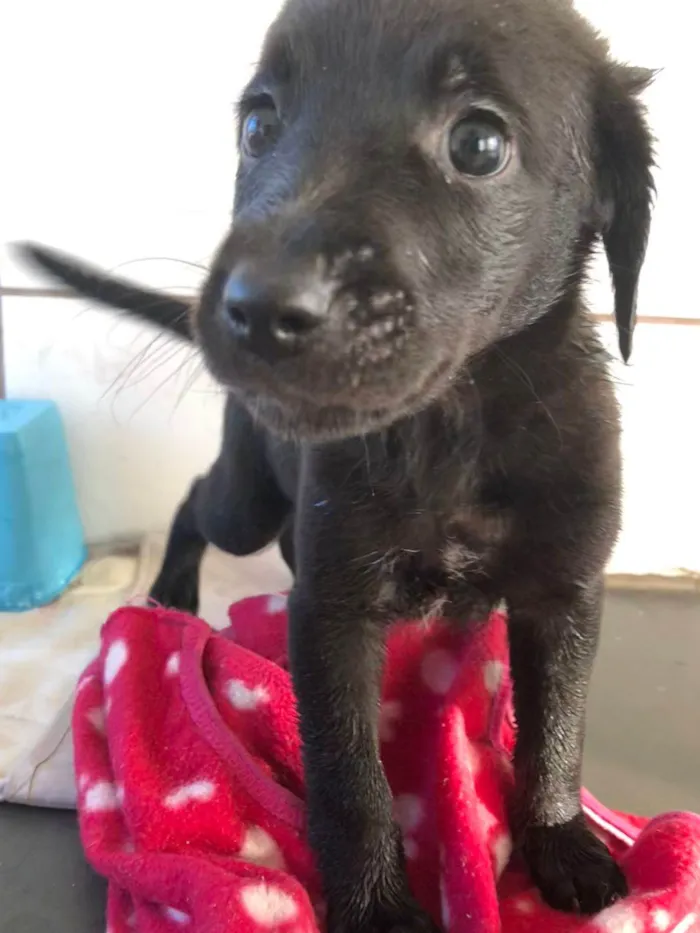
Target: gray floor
x,y
643,754
643,749
45,884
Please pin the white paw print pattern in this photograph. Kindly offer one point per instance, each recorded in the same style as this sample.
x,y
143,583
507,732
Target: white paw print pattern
x,y
101,798
410,848
466,752
390,714
661,919
83,683
620,919
276,604
439,670
408,813
268,905
261,849
488,821
96,718
117,656
245,698
493,675
178,917
172,665
524,905
445,914
196,792
501,850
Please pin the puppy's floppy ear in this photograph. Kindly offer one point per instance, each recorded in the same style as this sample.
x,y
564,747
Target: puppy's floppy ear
x,y
171,314
623,162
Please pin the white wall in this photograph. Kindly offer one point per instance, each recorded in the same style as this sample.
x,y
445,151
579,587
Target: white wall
x,y
118,146
652,35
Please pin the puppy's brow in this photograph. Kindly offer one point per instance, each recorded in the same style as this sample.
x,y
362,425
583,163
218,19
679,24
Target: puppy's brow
x,y
455,74
453,70
273,73
278,60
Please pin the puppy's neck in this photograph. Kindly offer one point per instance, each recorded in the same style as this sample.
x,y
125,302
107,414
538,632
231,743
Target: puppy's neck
x,y
494,396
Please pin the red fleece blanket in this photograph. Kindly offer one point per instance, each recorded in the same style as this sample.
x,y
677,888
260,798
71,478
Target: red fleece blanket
x,y
191,793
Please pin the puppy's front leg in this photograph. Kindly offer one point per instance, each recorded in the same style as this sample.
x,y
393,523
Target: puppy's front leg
x,y
553,642
336,657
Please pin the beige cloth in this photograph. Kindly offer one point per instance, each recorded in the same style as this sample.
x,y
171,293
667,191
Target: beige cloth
x,y
42,653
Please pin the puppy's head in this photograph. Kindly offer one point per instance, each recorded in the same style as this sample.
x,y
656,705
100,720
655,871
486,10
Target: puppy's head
x,y
417,180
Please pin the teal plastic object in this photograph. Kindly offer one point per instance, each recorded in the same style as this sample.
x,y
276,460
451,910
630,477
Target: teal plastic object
x,y
42,546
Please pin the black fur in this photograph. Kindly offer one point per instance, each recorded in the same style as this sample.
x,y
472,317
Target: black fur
x,y
431,428
169,313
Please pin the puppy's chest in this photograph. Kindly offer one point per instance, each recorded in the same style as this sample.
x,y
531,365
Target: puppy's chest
x,y
445,568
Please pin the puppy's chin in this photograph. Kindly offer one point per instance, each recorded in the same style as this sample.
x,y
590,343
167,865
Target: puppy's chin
x,y
307,423
302,420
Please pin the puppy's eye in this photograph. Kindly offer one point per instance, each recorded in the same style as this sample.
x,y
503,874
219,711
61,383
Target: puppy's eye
x,y
260,130
479,145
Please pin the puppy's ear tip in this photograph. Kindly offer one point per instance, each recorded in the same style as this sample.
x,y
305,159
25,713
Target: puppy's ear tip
x,y
43,259
28,252
635,79
20,248
625,344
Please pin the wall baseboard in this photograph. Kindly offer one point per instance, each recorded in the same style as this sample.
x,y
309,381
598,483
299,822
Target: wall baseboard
x,y
62,293
684,582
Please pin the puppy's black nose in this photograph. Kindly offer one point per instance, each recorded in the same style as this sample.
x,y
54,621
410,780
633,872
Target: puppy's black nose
x,y
269,319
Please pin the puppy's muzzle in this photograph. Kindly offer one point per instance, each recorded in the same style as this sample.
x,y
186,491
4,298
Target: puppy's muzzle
x,y
275,309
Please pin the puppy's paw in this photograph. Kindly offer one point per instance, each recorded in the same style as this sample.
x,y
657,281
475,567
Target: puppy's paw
x,y
572,868
380,918
409,920
180,592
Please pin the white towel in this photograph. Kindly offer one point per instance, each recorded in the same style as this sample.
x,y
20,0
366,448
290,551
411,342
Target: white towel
x,y
43,652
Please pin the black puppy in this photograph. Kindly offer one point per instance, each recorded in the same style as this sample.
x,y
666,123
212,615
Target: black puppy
x,y
418,401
